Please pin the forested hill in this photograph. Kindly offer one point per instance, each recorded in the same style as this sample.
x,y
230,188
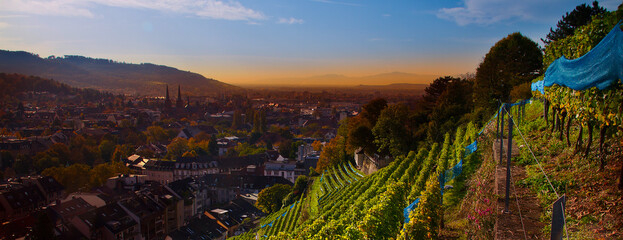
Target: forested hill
x,y
12,85
104,74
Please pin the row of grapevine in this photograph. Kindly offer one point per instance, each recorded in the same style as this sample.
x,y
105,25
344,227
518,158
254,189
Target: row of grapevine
x,y
591,107
370,207
330,184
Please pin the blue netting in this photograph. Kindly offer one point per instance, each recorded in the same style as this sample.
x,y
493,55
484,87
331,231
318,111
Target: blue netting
x,y
600,67
471,148
494,116
410,208
450,174
351,168
519,103
457,169
538,86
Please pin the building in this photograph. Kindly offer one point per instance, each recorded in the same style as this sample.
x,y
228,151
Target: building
x,y
63,212
194,195
192,131
19,200
147,212
128,182
303,151
285,169
51,189
199,228
168,171
370,164
233,215
107,222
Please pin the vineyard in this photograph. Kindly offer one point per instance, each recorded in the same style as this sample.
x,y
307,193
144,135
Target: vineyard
x,y
445,189
342,203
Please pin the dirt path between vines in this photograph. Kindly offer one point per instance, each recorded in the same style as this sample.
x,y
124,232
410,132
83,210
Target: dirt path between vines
x,y
509,225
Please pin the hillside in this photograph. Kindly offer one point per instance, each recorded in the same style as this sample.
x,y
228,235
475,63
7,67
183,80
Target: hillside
x,y
13,85
342,203
104,74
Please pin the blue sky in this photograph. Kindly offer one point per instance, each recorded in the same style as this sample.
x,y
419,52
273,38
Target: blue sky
x,y
246,41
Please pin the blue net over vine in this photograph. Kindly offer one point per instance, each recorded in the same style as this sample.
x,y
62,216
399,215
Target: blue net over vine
x,y
600,67
410,208
457,169
471,148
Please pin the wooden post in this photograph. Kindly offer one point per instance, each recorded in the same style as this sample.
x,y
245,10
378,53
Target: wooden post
x,y
497,125
502,111
508,163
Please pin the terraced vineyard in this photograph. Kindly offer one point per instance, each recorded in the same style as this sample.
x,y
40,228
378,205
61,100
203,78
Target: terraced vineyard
x,y
329,185
342,203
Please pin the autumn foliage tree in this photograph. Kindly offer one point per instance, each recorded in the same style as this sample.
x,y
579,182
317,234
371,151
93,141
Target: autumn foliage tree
x,y
82,177
333,153
390,132
511,61
269,199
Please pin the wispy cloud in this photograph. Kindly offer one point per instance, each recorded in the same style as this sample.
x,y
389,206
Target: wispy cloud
x,y
485,12
339,3
386,15
213,9
3,25
290,21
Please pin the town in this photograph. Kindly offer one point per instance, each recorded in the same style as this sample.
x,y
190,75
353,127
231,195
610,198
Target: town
x,y
177,167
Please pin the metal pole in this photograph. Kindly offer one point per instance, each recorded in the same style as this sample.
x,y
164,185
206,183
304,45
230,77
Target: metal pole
x,y
502,111
523,111
508,162
497,125
545,110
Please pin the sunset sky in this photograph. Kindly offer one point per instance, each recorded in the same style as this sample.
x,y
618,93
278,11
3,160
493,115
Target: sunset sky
x,y
247,41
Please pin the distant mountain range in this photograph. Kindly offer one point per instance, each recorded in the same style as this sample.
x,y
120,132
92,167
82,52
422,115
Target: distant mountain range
x,y
103,74
340,80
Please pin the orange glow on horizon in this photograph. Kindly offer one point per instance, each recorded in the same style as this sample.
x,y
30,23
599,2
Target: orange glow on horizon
x,y
280,75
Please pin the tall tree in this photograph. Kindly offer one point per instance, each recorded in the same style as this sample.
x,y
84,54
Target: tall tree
x,y
360,135
580,16
436,88
106,149
450,106
372,110
237,120
213,146
177,147
390,132
269,199
511,61
332,154
257,122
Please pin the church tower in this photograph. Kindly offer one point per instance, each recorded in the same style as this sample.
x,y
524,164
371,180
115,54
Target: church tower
x,y
179,103
167,100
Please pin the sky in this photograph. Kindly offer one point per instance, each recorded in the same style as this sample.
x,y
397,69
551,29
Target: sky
x,y
249,41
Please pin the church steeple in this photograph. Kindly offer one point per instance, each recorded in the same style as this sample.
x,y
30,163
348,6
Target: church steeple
x,y
179,103
167,100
